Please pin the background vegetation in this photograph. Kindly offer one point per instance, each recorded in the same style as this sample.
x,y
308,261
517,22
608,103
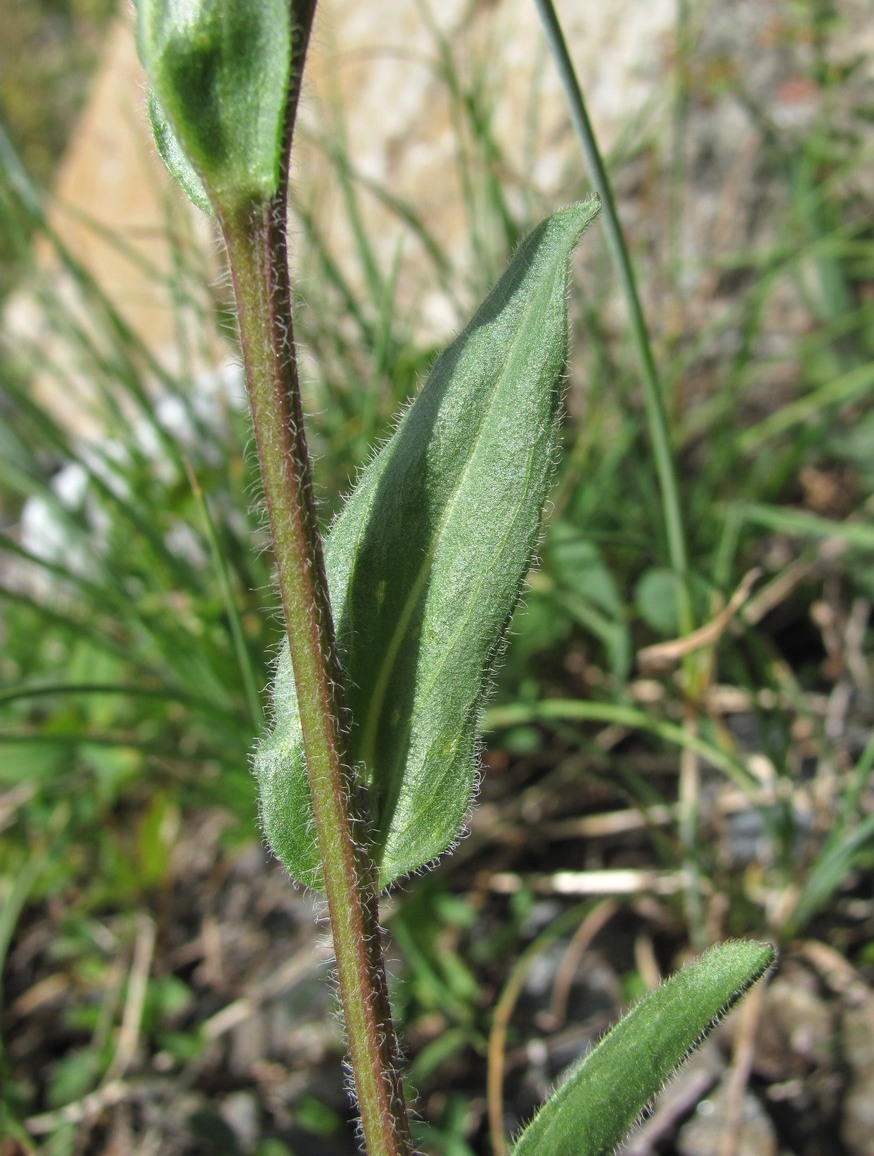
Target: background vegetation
x,y
158,982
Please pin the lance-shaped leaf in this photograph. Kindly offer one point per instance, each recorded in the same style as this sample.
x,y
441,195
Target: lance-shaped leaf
x,y
590,1114
425,564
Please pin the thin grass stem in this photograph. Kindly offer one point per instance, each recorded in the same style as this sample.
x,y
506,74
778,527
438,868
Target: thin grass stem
x,y
244,659
656,423
655,411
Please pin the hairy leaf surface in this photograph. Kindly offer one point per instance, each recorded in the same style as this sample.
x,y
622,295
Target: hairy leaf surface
x,y
590,1114
219,71
425,565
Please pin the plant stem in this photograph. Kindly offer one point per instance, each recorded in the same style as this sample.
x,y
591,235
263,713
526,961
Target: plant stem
x,y
256,240
257,257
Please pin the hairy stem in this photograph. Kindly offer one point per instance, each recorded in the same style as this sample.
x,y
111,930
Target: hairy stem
x,y
256,240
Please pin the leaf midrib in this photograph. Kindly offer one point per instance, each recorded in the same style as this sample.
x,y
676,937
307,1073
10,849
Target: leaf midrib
x,y
386,670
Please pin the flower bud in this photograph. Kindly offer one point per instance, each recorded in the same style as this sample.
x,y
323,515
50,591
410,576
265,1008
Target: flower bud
x,y
220,72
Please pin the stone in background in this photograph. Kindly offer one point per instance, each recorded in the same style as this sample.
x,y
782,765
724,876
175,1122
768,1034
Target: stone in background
x,y
377,90
376,81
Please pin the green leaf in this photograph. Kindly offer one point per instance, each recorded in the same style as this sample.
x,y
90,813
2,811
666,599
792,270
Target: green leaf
x,y
425,565
656,596
220,72
585,588
175,160
590,1114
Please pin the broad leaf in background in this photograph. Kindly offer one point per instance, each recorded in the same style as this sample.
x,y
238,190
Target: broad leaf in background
x,y
425,565
584,588
590,1114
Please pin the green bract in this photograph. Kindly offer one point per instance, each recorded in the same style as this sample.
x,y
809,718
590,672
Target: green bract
x,y
174,158
425,565
219,71
590,1114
